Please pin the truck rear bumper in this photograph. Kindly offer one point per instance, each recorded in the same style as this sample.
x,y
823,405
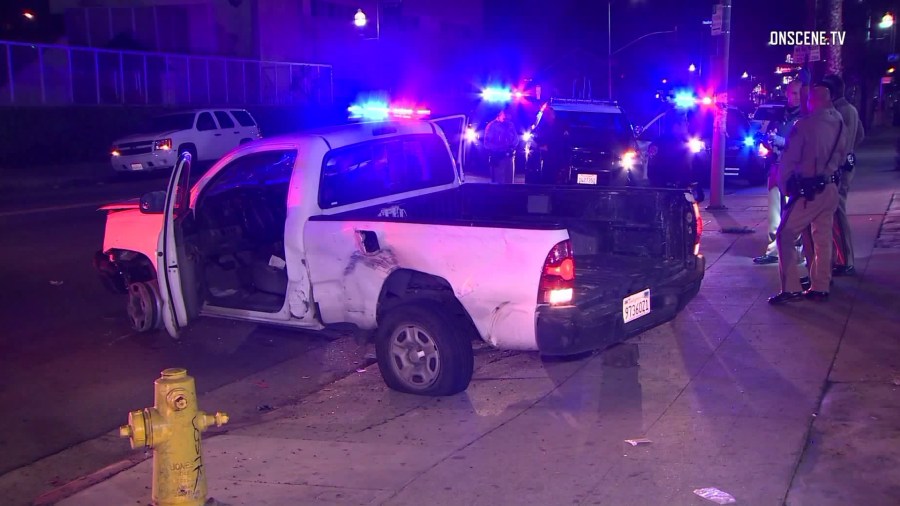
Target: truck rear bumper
x,y
578,329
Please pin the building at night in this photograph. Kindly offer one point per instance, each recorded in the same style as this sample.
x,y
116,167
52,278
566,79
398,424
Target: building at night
x,y
404,44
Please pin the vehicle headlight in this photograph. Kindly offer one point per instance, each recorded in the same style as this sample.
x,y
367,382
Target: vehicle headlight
x,y
695,145
164,144
628,160
115,151
527,136
762,151
471,134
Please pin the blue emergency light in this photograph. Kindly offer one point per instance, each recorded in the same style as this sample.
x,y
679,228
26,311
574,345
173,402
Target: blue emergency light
x,y
494,94
684,100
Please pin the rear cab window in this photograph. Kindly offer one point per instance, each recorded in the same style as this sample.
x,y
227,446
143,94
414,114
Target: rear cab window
x,y
243,118
381,168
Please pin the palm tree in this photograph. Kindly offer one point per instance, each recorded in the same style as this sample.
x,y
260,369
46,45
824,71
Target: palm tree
x,y
835,24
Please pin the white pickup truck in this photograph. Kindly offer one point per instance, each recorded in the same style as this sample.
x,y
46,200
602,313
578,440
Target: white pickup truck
x,y
371,224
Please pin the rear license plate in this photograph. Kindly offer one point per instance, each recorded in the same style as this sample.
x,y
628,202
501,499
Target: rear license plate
x,y
636,306
136,166
587,179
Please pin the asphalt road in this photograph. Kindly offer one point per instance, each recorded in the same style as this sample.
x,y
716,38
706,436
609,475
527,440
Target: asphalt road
x,y
71,367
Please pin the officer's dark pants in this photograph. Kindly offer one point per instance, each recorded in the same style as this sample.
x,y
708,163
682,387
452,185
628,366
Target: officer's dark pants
x,y
818,215
503,168
843,243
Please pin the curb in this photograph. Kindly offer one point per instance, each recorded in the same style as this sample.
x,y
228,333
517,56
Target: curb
x,y
84,482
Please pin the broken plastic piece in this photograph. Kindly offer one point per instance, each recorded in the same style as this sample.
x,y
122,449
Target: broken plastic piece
x,y
737,230
264,408
715,495
638,441
361,370
277,262
56,283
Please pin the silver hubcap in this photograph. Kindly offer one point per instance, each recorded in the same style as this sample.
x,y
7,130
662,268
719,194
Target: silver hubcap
x,y
415,357
142,305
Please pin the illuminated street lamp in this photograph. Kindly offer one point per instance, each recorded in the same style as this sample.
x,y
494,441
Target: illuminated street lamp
x,y
891,70
887,21
692,68
745,75
359,19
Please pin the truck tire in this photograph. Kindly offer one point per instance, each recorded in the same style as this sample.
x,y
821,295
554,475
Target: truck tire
x,y
420,350
144,306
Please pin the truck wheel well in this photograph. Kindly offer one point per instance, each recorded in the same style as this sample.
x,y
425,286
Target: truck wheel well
x,y
406,285
134,266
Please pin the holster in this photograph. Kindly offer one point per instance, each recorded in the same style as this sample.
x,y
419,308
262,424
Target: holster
x,y
809,187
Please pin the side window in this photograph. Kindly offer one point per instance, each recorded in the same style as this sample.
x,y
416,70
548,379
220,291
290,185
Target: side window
x,y
381,168
244,118
205,122
262,170
224,119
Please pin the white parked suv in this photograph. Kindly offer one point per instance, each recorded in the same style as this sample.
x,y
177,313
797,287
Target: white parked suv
x,y
206,133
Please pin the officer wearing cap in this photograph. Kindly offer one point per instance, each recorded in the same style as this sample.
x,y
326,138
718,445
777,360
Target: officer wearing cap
x,y
844,264
817,146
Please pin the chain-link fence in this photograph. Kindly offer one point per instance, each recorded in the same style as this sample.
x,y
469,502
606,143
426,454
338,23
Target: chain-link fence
x,y
42,74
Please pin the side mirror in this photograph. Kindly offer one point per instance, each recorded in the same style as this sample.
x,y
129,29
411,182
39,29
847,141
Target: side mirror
x,y
153,202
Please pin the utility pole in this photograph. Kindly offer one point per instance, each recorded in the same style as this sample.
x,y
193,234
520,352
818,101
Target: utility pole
x,y
717,178
609,50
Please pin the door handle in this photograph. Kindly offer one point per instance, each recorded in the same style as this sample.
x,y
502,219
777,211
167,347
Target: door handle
x,y
368,241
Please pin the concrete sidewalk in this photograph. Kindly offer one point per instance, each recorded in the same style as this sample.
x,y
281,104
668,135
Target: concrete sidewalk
x,y
773,405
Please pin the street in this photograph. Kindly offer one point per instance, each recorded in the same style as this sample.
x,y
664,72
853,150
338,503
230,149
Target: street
x,y
710,390
72,367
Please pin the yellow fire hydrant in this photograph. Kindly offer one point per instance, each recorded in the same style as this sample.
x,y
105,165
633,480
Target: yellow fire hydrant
x,y
172,427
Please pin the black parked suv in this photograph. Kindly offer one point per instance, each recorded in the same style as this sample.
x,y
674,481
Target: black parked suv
x,y
584,142
680,147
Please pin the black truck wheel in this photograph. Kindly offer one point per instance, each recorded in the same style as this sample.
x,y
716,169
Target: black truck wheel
x,y
422,351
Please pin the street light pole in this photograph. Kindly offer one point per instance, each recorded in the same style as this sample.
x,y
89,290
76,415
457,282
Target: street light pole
x,y
717,178
609,49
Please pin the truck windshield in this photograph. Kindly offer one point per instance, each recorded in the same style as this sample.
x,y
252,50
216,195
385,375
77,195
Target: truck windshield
x,y
181,121
769,113
593,127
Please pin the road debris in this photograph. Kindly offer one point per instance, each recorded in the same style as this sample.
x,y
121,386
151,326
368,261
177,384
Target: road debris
x,y
261,383
638,441
715,495
264,408
56,283
361,369
737,230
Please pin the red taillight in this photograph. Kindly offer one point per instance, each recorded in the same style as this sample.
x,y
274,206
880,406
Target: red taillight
x,y
557,286
699,221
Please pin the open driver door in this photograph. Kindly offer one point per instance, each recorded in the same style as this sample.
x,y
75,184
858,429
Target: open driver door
x,y
178,262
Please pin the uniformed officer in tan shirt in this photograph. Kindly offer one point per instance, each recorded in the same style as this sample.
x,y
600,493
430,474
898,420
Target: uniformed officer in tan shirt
x,y
817,146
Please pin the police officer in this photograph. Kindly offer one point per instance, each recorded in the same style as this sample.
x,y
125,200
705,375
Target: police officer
x,y
778,135
500,140
844,264
808,175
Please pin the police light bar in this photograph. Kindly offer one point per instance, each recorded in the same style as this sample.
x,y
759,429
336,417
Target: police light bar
x,y
380,111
